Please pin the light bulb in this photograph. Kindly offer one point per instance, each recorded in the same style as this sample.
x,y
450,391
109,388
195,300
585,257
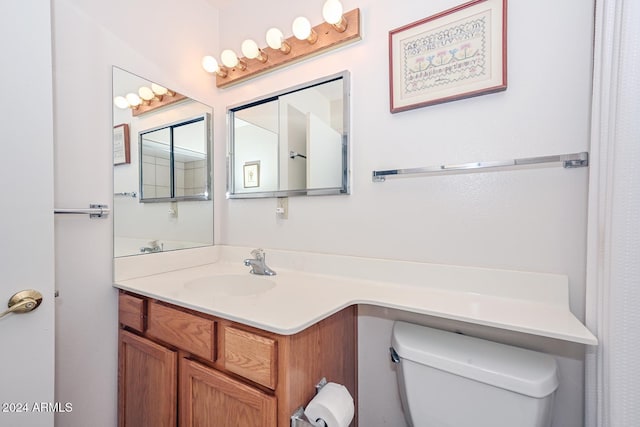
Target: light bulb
x,y
230,59
210,65
159,90
302,30
121,102
146,94
133,100
275,40
332,14
251,50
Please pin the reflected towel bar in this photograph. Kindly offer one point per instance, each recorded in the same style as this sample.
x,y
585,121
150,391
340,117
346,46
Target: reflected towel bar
x,y
127,194
576,160
94,211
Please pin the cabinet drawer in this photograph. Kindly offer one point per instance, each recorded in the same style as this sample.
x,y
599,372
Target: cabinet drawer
x,y
184,330
131,311
251,356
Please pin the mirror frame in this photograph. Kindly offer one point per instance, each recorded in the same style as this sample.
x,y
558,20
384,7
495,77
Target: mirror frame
x,y
344,189
208,146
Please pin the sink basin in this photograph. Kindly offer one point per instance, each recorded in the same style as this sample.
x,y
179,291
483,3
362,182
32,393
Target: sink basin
x,y
230,285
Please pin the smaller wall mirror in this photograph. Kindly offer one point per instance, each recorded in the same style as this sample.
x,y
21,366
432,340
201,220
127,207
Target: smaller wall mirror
x,y
291,143
173,161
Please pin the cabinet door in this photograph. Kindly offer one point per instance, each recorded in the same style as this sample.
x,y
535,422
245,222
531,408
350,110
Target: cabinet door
x,y
147,383
209,398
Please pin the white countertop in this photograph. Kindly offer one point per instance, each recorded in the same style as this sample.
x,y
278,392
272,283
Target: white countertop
x,y
310,287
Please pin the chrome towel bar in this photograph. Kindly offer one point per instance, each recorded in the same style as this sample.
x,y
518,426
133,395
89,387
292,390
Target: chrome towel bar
x,y
94,211
576,160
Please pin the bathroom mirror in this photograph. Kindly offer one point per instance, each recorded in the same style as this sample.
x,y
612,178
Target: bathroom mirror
x,y
168,162
291,143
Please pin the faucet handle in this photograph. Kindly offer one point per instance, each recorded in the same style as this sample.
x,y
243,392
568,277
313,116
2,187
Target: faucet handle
x,y
258,253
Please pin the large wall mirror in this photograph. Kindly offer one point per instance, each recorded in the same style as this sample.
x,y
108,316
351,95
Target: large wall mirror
x,y
162,171
294,142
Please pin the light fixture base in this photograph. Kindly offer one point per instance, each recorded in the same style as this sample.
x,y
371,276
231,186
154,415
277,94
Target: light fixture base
x,y
328,38
167,99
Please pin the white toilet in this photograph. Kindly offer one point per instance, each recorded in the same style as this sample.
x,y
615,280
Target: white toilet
x,y
451,380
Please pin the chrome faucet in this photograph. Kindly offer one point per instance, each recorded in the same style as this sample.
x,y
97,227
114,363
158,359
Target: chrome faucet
x,y
258,264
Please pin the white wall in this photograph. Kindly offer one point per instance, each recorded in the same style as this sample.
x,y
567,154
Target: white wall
x,y
525,220
261,145
156,41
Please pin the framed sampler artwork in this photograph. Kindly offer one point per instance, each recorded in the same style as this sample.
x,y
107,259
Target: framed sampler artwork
x,y
251,174
121,144
455,54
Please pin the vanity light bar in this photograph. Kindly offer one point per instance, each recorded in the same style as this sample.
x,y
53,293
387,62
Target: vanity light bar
x,y
328,37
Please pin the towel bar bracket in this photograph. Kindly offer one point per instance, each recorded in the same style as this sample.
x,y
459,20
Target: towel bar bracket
x,y
104,210
576,163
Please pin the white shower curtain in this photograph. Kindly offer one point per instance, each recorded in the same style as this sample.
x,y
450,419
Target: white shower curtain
x,y
613,258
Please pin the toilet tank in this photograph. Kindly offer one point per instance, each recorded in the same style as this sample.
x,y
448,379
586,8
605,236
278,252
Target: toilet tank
x,y
451,380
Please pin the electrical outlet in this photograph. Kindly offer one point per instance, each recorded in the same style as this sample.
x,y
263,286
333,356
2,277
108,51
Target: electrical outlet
x,y
173,210
282,208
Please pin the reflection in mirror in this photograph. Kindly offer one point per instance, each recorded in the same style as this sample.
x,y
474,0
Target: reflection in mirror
x,y
155,149
167,166
173,161
294,142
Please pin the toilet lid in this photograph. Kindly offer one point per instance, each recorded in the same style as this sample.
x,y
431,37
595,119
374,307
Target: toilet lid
x,y
512,368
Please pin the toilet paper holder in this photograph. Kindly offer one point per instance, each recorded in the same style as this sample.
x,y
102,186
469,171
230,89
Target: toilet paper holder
x,y
299,419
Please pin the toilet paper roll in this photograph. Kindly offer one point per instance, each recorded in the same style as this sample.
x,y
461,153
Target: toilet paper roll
x,y
333,404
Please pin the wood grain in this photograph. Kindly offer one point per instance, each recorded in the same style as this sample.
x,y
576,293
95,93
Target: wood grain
x,y
258,377
250,355
327,349
147,383
131,311
183,330
210,398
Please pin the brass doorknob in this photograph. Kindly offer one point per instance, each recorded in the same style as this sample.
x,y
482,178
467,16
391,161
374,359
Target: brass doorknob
x,y
23,302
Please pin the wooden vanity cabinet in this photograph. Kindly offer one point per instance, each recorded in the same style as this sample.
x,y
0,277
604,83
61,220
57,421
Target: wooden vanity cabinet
x,y
183,368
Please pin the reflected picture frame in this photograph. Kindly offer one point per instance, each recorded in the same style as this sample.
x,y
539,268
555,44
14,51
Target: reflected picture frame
x,y
121,144
251,173
458,53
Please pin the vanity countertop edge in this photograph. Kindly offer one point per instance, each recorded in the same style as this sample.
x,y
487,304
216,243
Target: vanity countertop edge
x,y
526,302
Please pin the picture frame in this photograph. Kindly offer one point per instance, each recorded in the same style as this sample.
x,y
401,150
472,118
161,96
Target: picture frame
x,y
121,144
455,54
251,173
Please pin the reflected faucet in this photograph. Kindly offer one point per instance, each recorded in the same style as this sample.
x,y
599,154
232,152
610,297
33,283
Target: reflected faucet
x,y
153,247
258,264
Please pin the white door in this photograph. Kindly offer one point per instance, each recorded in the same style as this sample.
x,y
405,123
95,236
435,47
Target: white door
x,y
26,226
